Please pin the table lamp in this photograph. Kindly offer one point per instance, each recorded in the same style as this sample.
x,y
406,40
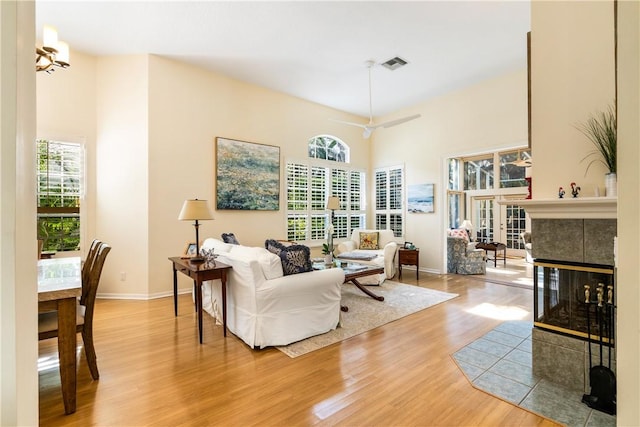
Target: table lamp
x,y
466,224
332,204
196,210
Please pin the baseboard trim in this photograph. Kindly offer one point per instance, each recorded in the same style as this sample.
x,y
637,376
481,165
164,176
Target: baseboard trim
x,y
421,270
142,296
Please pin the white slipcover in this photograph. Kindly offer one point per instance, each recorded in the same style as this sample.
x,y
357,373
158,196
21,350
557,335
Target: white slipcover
x,y
270,312
385,255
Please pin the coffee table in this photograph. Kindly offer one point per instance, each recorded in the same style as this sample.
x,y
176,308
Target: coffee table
x,y
352,272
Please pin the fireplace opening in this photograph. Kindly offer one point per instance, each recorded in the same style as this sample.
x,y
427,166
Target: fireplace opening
x,y
559,297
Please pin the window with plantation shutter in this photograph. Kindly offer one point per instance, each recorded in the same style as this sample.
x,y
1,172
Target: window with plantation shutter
x,y
60,174
297,201
389,212
311,182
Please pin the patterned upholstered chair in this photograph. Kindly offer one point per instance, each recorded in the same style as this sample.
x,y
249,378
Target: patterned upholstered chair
x,y
462,260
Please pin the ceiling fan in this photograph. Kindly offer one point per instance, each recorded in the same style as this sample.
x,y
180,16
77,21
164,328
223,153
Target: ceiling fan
x,y
370,127
523,160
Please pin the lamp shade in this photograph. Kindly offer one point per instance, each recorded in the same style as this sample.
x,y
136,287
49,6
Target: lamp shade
x,y
62,57
195,210
50,38
333,203
466,224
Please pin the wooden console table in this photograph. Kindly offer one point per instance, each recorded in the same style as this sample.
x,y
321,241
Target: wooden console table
x,y
201,272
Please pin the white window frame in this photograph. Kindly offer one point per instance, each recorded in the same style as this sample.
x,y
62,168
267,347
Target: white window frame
x,y
389,207
80,210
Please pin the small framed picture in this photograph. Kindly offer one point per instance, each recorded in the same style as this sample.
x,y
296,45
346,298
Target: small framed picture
x,y
408,245
190,250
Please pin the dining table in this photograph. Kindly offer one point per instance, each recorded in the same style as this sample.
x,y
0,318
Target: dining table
x,y
59,286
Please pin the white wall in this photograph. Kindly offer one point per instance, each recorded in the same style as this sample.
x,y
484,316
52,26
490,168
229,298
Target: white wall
x,y
628,277
488,116
18,248
572,57
122,173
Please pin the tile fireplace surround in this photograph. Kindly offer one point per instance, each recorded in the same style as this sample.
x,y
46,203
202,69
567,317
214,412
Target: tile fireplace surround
x,y
580,231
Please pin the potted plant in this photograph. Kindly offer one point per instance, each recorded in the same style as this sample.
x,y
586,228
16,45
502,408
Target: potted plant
x,y
601,130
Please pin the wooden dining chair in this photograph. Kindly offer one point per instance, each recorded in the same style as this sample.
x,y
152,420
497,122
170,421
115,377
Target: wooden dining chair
x,y
48,322
88,262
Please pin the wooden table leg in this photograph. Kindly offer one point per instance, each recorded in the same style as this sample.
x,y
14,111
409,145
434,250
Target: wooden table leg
x,y
223,280
67,352
198,285
175,290
367,291
195,284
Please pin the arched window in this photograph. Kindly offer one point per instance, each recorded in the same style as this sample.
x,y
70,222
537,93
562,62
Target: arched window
x,y
327,147
311,182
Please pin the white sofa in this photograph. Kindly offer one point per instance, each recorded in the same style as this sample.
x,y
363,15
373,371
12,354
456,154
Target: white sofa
x,y
384,256
266,308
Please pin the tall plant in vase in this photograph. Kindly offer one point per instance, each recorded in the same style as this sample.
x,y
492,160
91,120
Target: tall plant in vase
x,y
601,130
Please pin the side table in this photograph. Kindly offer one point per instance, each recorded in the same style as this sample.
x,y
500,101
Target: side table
x,y
494,247
201,272
409,257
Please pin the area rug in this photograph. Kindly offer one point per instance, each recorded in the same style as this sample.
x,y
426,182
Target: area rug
x,y
365,313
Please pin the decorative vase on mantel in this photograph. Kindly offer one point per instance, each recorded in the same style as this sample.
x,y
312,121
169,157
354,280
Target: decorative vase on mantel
x,y
611,184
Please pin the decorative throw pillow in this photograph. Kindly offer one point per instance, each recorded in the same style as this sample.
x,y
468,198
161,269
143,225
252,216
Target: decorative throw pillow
x,y
369,240
295,258
273,246
460,232
230,238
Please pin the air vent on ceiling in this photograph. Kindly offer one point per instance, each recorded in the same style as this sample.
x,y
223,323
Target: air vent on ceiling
x,y
394,63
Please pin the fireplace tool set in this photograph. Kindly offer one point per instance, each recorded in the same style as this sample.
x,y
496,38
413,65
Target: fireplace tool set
x,y
601,378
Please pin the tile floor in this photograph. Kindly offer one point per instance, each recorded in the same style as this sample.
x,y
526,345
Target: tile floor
x,y
500,363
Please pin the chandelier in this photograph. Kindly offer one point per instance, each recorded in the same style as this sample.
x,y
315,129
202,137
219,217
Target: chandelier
x,y
52,53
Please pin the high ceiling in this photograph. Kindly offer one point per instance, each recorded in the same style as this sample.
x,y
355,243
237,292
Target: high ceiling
x,y
313,50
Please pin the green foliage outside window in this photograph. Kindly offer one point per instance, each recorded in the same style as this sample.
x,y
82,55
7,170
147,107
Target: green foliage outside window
x,y
59,178
59,233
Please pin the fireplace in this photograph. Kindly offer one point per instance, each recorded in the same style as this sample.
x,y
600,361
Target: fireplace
x,y
559,297
573,245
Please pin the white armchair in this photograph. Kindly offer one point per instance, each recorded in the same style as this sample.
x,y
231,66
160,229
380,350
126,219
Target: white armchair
x,y
383,256
525,236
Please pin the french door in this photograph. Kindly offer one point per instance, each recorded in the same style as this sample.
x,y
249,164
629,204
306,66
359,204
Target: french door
x,y
513,221
502,222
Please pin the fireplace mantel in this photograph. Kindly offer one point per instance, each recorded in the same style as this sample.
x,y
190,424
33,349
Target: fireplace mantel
x,y
569,208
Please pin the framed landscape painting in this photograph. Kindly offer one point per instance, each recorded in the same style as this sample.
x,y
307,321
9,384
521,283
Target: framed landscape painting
x,y
420,198
247,175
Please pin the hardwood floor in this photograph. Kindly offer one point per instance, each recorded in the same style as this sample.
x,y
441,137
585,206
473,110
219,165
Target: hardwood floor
x,y
154,372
